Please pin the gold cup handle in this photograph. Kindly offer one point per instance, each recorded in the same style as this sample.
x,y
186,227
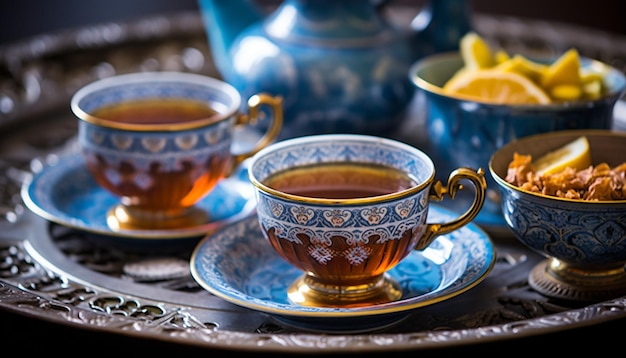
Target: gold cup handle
x,y
254,114
438,191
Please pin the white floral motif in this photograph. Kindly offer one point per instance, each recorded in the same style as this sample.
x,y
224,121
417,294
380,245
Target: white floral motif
x,y
404,208
302,214
337,217
321,254
143,180
113,176
374,215
357,255
276,208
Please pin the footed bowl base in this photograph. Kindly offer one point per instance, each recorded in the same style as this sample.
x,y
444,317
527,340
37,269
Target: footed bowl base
x,y
576,285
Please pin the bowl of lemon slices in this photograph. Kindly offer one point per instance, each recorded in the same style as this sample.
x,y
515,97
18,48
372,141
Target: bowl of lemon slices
x,y
480,98
564,196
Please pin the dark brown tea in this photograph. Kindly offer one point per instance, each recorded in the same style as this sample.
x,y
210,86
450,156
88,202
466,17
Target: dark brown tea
x,y
156,111
153,188
340,180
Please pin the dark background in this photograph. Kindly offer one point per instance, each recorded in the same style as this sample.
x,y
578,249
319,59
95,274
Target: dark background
x,y
24,18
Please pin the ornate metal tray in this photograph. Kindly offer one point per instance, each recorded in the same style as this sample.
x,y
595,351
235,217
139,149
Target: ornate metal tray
x,y
73,278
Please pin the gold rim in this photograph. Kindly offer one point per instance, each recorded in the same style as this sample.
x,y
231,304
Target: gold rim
x,y
156,77
354,201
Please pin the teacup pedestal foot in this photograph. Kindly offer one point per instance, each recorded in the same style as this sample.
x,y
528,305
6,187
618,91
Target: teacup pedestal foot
x,y
122,217
312,292
552,278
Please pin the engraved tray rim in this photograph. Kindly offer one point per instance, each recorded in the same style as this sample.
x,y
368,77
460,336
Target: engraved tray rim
x,y
37,305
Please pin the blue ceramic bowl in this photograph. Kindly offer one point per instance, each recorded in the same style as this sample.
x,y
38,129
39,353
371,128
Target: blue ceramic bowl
x,y
466,133
585,241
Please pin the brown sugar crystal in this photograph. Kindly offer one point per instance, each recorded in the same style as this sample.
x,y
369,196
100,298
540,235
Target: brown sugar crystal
x,y
595,183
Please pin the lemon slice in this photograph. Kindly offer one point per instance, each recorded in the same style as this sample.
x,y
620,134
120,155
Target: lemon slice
x,y
592,83
564,80
566,92
501,56
475,52
564,71
520,64
498,87
575,154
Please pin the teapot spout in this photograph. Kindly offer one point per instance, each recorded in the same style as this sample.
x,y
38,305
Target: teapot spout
x,y
223,21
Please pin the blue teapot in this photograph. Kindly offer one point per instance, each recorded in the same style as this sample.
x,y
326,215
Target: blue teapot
x,y
340,66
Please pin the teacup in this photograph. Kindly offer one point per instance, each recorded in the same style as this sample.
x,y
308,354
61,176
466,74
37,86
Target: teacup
x,y
161,141
346,208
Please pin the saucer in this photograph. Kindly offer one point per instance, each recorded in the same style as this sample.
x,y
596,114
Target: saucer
x,y
238,265
66,193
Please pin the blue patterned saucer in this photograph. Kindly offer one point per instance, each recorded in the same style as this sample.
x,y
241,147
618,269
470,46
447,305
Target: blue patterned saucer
x,y
238,265
67,194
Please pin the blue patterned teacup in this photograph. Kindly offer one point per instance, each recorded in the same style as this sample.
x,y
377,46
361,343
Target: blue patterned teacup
x,y
346,208
584,241
161,141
